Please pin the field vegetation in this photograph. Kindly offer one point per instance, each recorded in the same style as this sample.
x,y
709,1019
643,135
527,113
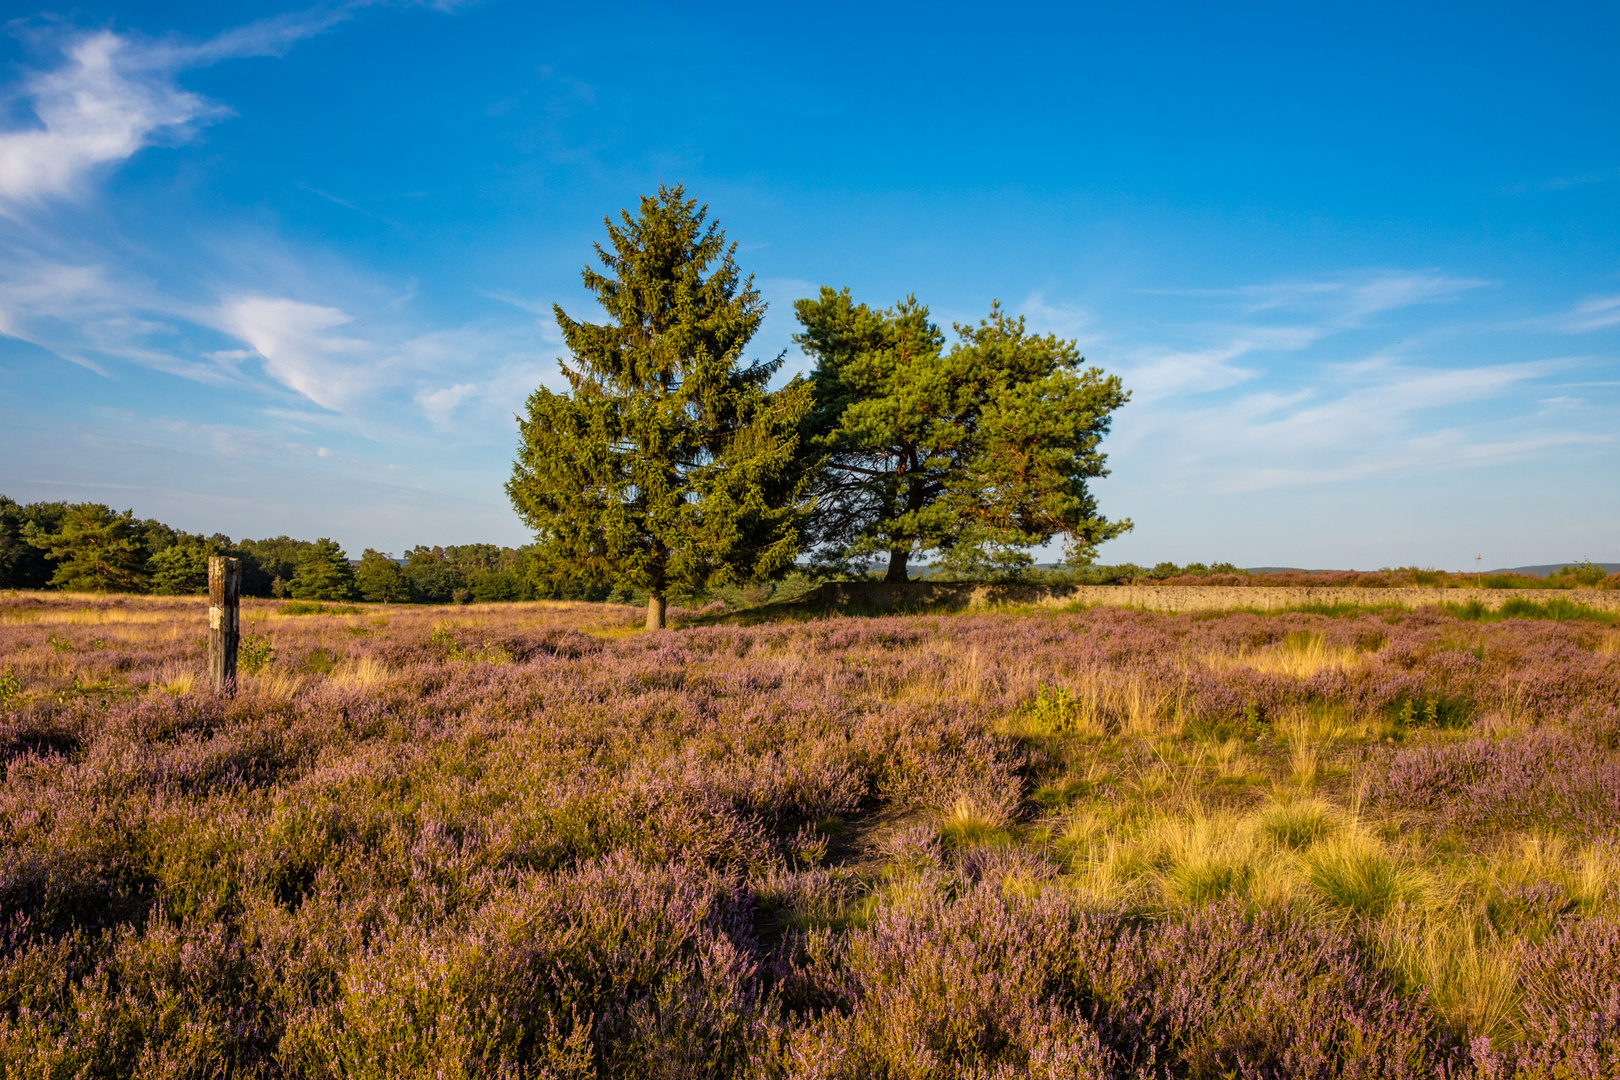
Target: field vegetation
x,y
536,840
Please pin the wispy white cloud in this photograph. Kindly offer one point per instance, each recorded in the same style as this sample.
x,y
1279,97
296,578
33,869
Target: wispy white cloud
x,y
1260,396
1272,318
92,110
318,352
1354,421
88,315
1349,301
1066,320
1593,313
113,94
439,405
1195,372
300,349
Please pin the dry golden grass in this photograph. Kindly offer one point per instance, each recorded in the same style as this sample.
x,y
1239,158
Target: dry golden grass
x,y
366,672
1299,657
966,675
1588,874
969,822
90,609
274,685
1609,643
1471,974
175,680
1353,875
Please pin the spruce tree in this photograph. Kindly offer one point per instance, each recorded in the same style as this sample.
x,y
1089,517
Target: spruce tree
x,y
669,466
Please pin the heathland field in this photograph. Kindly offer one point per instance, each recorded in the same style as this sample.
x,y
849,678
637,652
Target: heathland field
x,y
534,840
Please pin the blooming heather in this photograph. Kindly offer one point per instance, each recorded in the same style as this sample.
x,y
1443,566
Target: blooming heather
x,y
530,840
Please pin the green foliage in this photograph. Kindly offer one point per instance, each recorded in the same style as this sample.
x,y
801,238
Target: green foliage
x,y
1585,573
1056,710
1509,581
1515,607
1298,825
181,568
478,572
324,573
301,607
973,453
1430,710
254,653
669,466
319,661
432,574
10,686
176,563
380,579
22,565
267,560
1361,879
95,550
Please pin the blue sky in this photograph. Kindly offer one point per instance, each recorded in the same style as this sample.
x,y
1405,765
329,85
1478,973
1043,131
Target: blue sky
x,y
269,269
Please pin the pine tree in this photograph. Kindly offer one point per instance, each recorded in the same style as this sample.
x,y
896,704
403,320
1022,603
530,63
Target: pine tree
x,y
95,549
975,453
670,466
181,568
324,573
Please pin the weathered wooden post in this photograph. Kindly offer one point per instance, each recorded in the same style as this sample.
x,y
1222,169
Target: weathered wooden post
x,y
224,589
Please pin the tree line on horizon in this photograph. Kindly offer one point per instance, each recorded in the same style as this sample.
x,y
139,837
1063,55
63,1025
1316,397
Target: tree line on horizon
x,y
89,547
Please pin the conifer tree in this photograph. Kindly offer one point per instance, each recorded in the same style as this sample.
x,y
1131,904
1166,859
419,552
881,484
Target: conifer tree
x,y
182,568
669,466
96,550
974,453
323,573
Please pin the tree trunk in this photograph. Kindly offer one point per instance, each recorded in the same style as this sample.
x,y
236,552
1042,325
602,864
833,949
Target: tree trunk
x,y
655,611
897,566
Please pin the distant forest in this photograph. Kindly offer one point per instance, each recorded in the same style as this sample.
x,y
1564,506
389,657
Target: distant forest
x,y
89,547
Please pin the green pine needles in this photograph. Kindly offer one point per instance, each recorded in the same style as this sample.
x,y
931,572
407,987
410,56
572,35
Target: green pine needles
x,y
670,466
974,453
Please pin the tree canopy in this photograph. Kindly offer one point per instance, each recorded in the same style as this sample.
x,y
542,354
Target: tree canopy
x,y
975,453
324,573
96,549
380,579
669,465
182,567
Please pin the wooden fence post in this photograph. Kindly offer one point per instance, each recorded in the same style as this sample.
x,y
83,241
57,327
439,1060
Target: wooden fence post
x,y
224,589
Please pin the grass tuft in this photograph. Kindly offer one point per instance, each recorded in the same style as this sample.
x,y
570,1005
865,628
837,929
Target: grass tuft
x,y
1353,875
970,825
1298,826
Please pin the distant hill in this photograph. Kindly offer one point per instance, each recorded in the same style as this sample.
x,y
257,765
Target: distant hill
x,y
1540,570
